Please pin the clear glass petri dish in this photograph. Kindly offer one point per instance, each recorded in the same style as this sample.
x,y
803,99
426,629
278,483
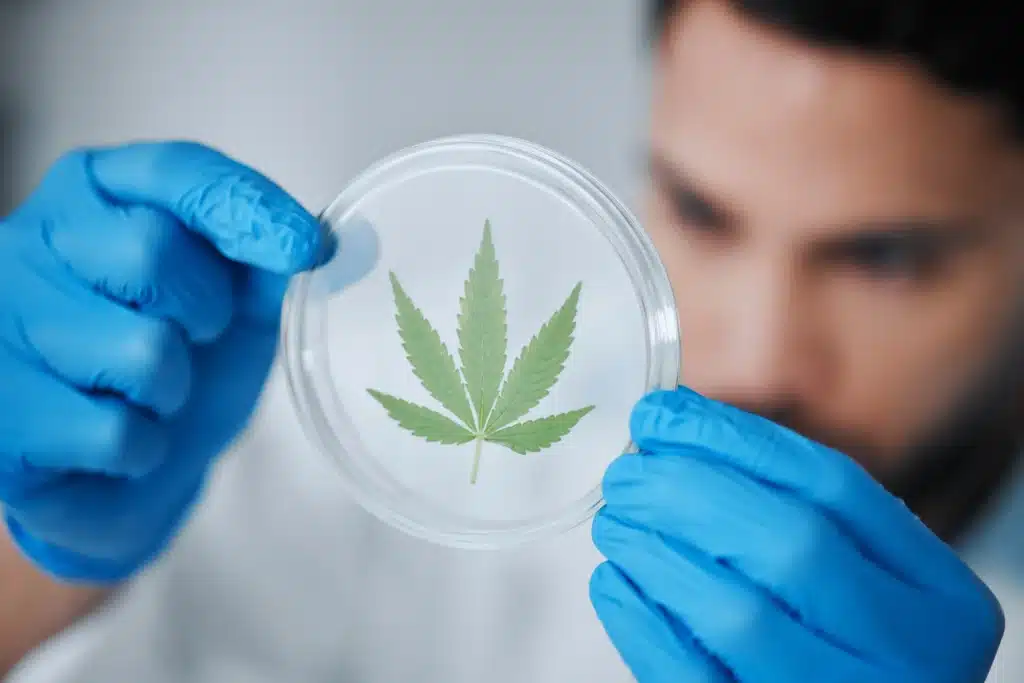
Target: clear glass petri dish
x,y
470,356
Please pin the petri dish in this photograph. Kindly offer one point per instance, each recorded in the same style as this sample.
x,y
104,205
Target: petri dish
x,y
470,356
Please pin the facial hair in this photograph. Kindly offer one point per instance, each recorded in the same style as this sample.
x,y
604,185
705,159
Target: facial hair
x,y
955,472
951,473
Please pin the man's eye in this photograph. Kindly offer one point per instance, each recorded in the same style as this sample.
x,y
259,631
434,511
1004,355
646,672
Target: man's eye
x,y
691,209
694,214
892,259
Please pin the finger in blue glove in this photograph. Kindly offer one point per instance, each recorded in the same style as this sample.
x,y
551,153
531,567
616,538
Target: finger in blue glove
x,y
140,294
781,558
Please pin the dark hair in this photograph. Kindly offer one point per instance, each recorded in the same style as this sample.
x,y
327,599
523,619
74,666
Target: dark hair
x,y
975,47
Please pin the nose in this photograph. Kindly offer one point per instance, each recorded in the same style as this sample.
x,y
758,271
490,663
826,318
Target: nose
x,y
750,340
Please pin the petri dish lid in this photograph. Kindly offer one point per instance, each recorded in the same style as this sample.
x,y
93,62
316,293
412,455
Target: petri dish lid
x,y
470,356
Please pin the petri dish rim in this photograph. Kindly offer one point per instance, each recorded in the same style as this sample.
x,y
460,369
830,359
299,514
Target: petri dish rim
x,y
306,361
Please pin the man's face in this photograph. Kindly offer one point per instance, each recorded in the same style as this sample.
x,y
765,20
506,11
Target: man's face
x,y
845,238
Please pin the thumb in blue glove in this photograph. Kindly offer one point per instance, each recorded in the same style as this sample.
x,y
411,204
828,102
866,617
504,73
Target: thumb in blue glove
x,y
140,292
740,551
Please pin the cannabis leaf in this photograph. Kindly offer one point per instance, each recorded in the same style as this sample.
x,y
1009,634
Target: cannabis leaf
x,y
484,405
429,357
537,368
536,435
423,422
483,334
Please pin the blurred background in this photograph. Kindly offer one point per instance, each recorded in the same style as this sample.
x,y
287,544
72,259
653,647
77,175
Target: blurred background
x,y
313,91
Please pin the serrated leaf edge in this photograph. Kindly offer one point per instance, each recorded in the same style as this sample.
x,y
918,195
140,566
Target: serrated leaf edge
x,y
502,418
482,399
383,398
579,414
461,410
479,428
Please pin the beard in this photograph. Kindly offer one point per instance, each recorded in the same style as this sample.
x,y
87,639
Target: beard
x,y
954,471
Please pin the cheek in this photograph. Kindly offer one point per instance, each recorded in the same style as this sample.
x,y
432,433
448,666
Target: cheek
x,y
907,358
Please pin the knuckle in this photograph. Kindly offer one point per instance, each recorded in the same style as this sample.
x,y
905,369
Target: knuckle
x,y
155,348
160,358
798,550
69,170
834,484
125,443
982,613
114,429
17,476
992,626
604,585
174,154
599,529
620,470
737,624
154,237
70,159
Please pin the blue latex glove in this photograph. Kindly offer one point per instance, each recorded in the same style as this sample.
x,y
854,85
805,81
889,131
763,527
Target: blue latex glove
x,y
740,551
140,294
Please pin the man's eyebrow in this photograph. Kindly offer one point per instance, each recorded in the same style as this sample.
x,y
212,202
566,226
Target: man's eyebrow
x,y
910,232
686,194
924,232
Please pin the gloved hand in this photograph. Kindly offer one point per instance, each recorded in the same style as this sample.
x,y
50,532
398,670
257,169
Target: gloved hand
x,y
140,293
740,551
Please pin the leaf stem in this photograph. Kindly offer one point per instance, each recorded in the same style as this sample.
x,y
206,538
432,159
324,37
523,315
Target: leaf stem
x,y
478,446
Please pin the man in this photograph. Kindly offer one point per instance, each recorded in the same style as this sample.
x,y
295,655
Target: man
x,y
841,183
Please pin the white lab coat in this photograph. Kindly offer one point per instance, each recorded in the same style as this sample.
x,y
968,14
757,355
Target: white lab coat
x,y
281,578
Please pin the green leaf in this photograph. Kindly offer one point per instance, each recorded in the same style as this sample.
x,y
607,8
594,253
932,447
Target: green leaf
x,y
422,422
430,359
537,368
483,330
475,393
534,436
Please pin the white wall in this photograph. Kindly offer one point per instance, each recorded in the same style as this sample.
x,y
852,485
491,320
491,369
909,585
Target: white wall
x,y
312,91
